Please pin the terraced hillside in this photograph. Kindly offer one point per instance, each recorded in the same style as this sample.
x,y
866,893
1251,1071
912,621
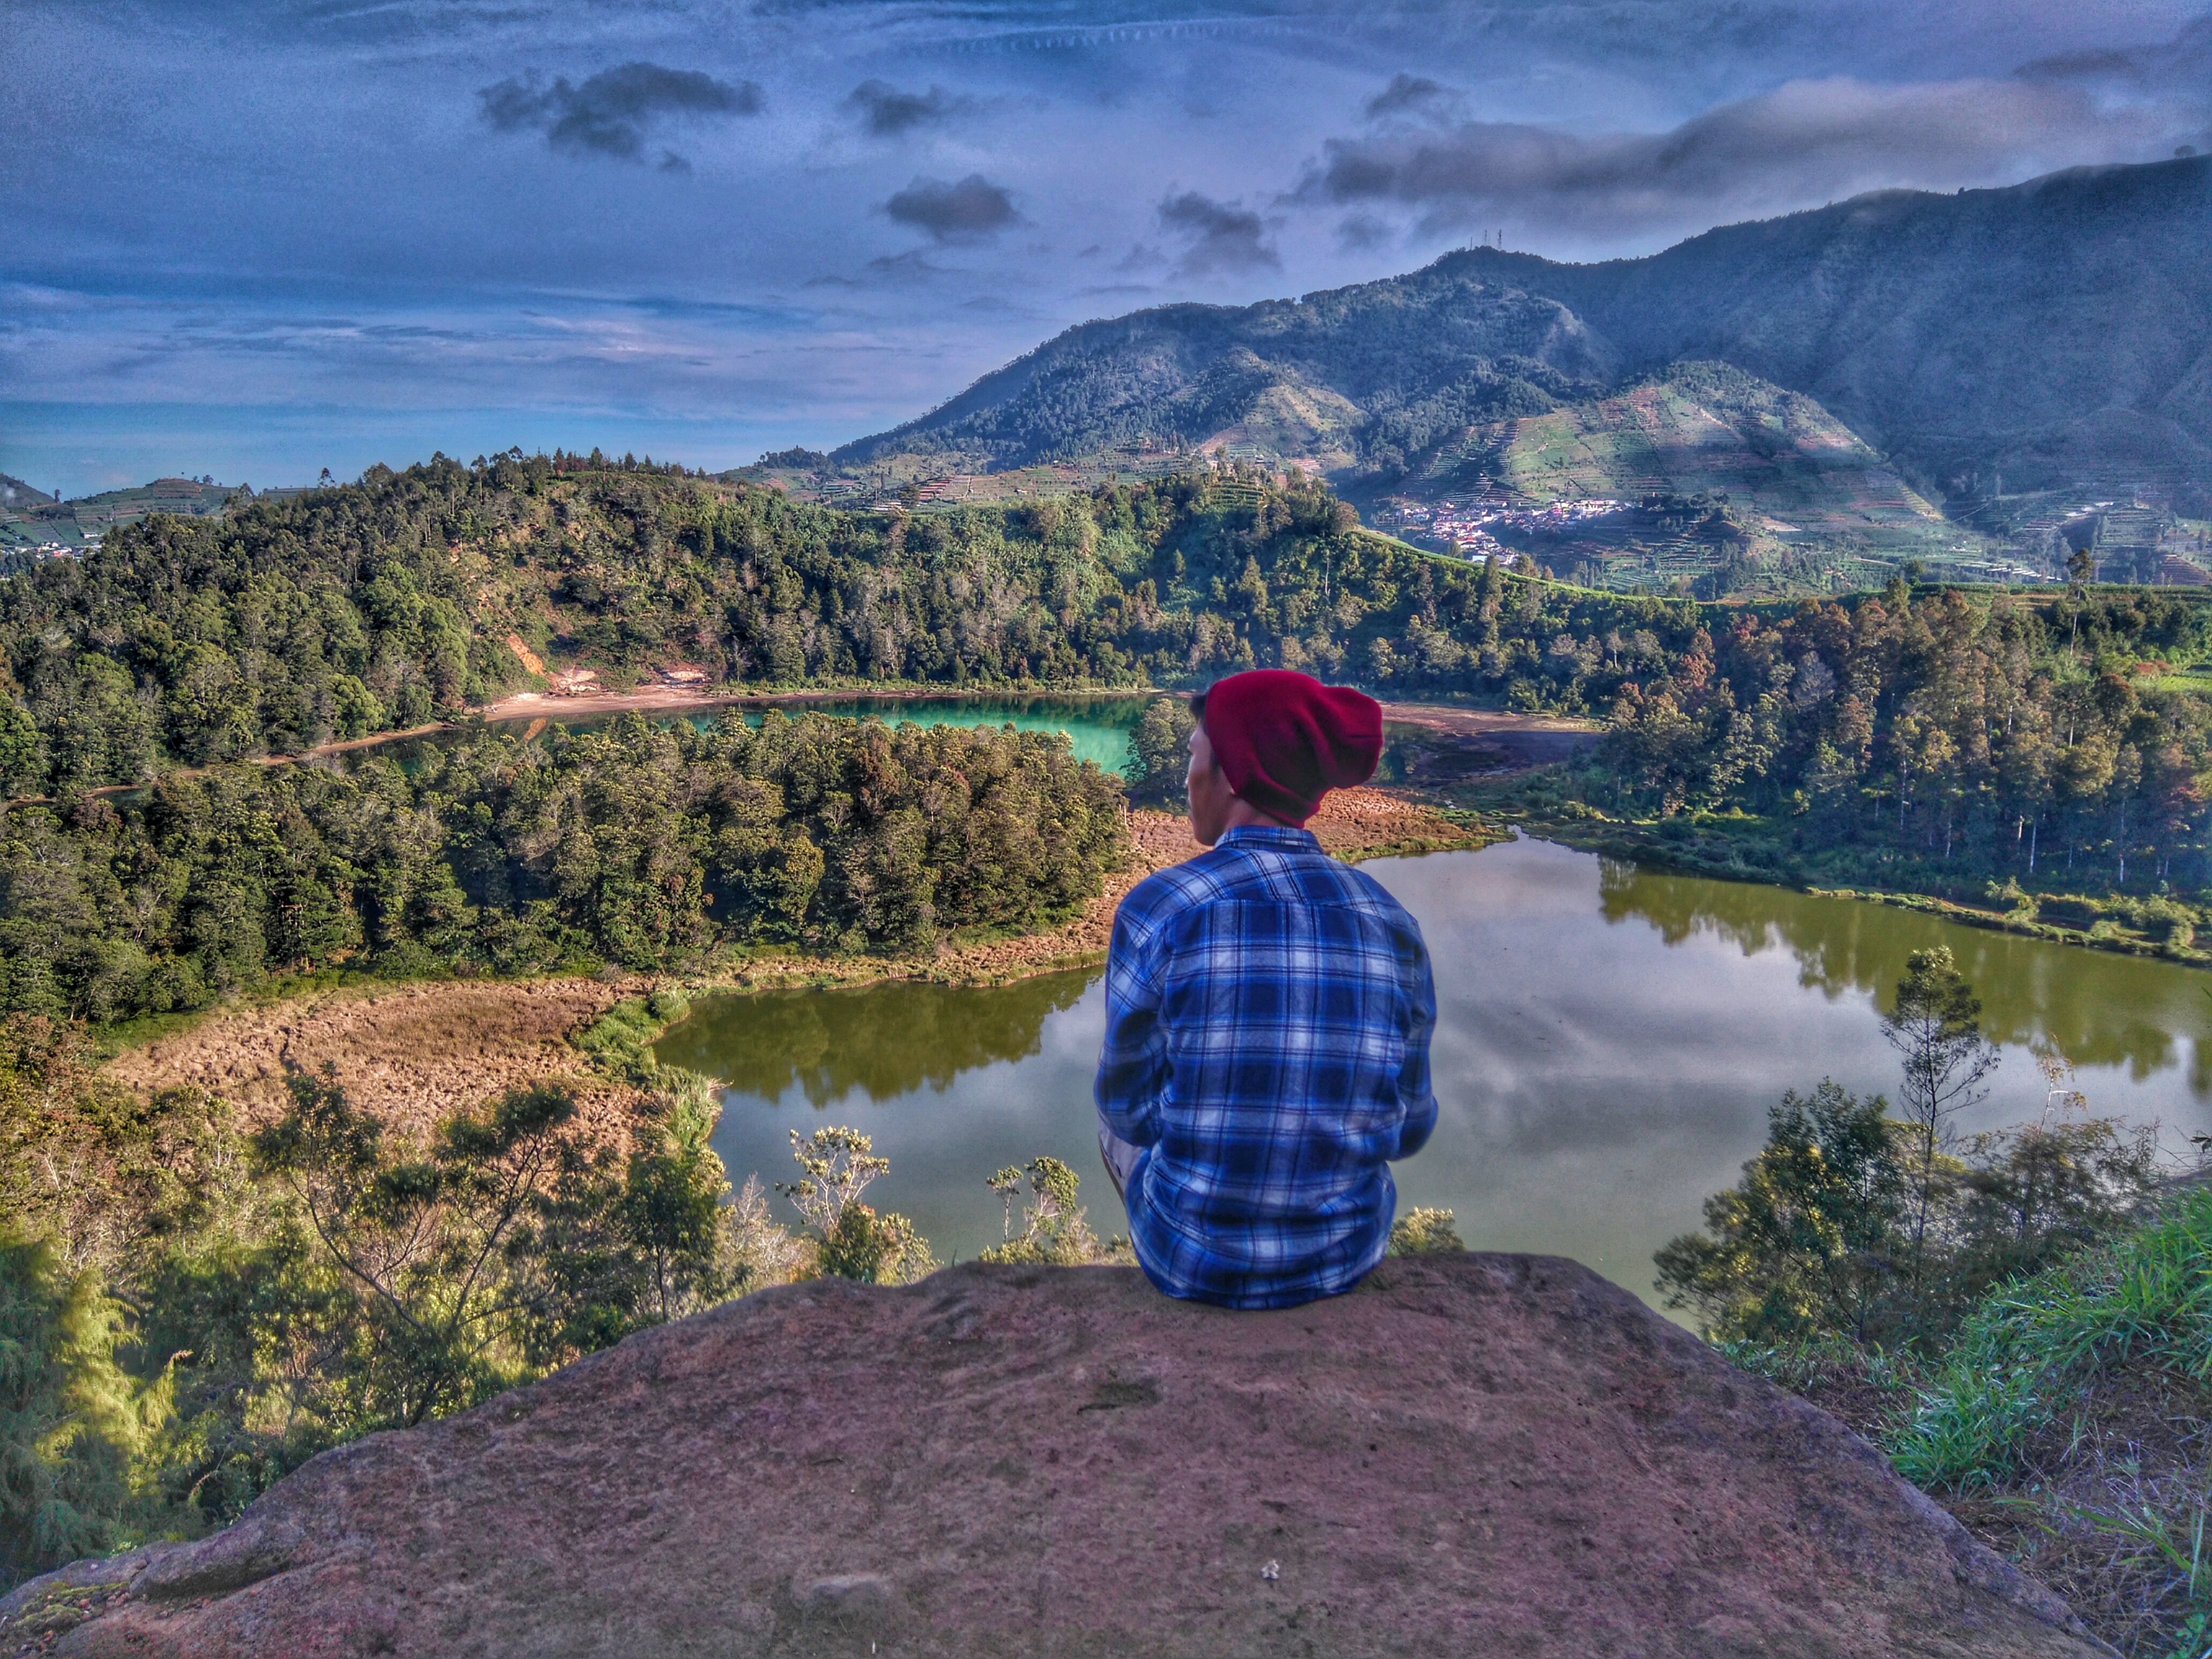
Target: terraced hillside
x,y
32,518
1705,427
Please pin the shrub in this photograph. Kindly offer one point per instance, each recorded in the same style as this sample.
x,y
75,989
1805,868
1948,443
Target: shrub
x,y
1423,1232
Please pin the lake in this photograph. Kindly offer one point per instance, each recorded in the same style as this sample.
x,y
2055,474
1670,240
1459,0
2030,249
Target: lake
x,y
1609,1041
1096,727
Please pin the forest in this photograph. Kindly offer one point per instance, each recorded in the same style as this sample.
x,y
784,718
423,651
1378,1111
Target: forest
x,y
646,847
1952,741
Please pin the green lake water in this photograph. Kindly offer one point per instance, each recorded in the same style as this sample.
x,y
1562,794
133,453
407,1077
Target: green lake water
x,y
1608,1044
1096,727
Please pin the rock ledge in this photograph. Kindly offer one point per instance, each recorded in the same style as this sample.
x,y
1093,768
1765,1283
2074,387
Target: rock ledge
x,y
1470,1455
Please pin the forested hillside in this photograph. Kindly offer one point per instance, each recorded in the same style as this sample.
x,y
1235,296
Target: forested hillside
x,y
642,847
2058,330
410,597
1950,735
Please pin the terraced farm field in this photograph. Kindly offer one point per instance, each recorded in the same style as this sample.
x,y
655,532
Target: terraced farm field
x,y
1709,428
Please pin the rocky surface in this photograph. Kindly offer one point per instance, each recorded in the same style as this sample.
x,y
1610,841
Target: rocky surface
x,y
1471,1455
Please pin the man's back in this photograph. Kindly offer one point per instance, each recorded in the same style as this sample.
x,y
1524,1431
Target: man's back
x,y
1268,1013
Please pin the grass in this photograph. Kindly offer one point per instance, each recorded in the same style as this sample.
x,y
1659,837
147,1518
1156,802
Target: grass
x,y
620,1041
2066,1424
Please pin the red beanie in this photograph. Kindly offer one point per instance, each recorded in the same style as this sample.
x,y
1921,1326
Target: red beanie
x,y
1284,739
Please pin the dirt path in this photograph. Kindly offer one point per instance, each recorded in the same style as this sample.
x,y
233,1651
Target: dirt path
x,y
414,1053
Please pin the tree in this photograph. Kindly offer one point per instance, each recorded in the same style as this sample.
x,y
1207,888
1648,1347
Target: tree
x,y
1053,1230
440,1247
1801,1246
70,1417
2037,1191
2080,568
852,1241
1935,1025
1159,752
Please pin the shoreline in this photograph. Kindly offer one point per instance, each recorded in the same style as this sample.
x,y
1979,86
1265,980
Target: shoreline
x,y
1632,844
1528,739
525,705
410,1052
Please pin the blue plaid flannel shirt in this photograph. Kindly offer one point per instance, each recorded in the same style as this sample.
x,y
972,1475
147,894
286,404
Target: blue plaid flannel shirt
x,y
1269,1011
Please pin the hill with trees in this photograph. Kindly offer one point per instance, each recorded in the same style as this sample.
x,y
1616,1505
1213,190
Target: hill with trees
x,y
2054,332
1943,738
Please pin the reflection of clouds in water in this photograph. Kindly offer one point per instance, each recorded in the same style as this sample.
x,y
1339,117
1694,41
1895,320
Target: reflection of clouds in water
x,y
1607,1048
951,1083
1609,1043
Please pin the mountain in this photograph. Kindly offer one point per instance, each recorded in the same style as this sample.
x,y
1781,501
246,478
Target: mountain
x,y
1690,427
2046,334
30,517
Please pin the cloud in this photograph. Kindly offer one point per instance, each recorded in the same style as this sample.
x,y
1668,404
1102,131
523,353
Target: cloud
x,y
2183,65
1220,237
909,267
610,113
886,111
1805,143
967,211
1361,233
1411,94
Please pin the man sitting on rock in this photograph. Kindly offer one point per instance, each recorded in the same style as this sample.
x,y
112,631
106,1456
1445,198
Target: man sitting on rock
x,y
1268,1018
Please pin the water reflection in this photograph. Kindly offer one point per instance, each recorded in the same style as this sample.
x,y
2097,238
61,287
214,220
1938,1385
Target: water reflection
x,y
2102,1009
880,1041
1607,1045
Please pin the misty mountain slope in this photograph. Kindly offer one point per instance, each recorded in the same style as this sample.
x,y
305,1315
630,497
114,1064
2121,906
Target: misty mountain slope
x,y
2056,330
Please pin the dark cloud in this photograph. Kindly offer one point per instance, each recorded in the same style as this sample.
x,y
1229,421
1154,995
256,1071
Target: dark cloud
x,y
610,113
1219,237
1362,233
1805,143
909,267
888,271
967,211
1411,94
2182,64
886,111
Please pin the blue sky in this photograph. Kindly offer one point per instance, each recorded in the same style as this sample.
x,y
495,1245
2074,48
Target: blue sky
x,y
258,238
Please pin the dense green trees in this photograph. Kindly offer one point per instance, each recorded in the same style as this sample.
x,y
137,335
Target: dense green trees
x,y
1947,738
379,606
1957,738
639,845
1159,752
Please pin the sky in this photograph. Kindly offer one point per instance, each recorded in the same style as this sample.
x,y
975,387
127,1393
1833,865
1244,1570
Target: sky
x,y
256,239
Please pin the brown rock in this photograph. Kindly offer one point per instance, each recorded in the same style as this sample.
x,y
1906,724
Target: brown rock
x,y
1470,1455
